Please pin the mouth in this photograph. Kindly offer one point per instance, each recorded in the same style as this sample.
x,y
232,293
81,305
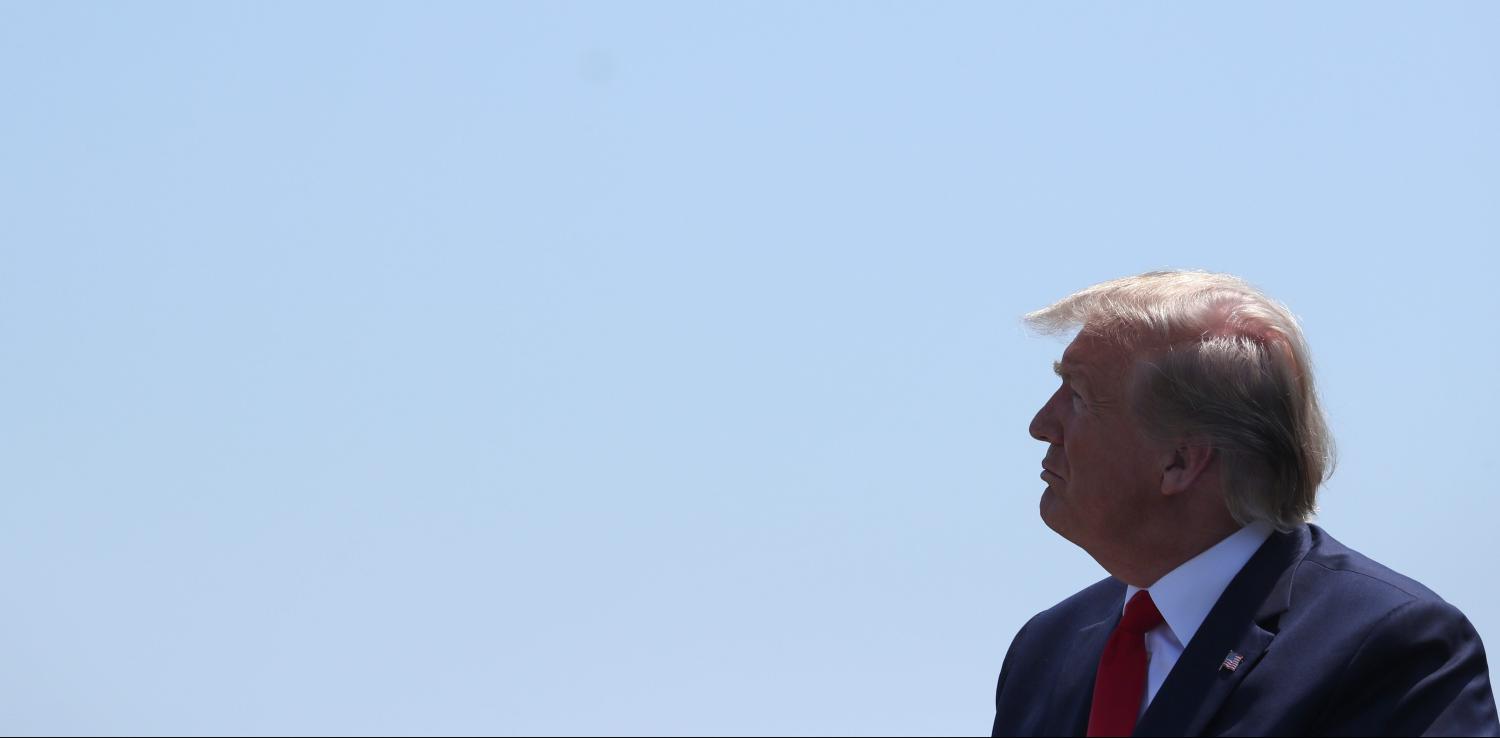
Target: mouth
x,y
1049,473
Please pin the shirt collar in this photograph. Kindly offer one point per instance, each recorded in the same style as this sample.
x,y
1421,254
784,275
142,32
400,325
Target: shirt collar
x,y
1186,594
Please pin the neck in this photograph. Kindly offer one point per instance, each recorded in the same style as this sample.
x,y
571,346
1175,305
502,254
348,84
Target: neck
x,y
1154,551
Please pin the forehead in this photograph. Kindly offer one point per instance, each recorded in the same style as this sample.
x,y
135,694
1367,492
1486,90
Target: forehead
x,y
1092,357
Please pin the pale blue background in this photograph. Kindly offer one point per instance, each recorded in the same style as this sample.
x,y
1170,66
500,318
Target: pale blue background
x,y
656,368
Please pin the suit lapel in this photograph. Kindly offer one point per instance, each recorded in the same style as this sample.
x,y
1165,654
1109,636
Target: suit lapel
x,y
1074,692
1243,623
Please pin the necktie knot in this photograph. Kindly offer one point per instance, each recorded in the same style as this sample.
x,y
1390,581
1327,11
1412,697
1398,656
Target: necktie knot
x,y
1141,614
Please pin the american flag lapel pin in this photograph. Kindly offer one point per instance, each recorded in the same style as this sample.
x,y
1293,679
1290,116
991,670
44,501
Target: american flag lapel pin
x,y
1231,662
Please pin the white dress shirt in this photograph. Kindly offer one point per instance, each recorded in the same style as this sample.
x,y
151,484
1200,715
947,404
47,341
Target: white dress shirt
x,y
1186,595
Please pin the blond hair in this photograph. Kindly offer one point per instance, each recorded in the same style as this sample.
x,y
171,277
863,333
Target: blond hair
x,y
1216,360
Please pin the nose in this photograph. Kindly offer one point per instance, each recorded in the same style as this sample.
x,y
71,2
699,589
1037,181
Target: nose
x,y
1044,426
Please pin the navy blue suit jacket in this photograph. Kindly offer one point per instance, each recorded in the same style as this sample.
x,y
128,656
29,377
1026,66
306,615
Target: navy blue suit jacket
x,y
1332,644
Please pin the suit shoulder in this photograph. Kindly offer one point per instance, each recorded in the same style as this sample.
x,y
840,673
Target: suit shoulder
x,y
1333,569
1337,590
1088,606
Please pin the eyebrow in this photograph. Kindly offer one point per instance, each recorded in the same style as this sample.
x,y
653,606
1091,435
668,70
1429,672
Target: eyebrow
x,y
1068,373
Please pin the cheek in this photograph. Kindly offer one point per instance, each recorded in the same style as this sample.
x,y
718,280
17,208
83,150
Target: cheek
x,y
1122,468
1093,472
1077,454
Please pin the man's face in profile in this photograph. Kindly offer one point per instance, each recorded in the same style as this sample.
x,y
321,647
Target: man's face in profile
x,y
1099,467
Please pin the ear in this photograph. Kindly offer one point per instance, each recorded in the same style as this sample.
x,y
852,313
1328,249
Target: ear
x,y
1183,466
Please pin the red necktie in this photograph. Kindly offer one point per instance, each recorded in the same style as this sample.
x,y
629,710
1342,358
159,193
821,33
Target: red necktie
x,y
1121,680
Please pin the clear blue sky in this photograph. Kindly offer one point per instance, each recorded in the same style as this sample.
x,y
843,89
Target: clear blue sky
x,y
656,368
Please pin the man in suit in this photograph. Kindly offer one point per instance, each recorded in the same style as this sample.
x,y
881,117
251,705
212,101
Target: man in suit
x,y
1185,447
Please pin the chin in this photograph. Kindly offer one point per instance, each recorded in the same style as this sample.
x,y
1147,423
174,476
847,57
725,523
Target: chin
x,y
1052,514
1048,508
